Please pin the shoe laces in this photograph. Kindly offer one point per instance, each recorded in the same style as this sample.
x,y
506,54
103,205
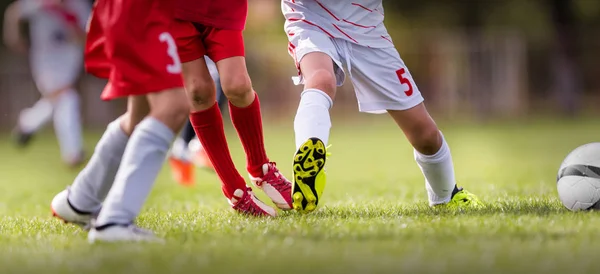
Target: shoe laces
x,y
275,179
246,204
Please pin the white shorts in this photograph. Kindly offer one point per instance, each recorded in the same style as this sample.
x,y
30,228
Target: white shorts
x,y
380,79
53,72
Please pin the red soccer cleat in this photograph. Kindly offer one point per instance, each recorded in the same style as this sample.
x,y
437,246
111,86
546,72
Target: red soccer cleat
x,y
277,187
246,203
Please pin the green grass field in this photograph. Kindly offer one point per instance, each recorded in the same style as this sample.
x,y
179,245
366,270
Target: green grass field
x,y
374,216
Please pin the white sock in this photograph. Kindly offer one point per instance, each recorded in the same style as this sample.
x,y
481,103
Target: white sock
x,y
67,125
33,118
143,158
312,118
438,170
93,183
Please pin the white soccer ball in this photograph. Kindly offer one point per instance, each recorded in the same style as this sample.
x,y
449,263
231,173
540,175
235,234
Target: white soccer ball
x,y
578,180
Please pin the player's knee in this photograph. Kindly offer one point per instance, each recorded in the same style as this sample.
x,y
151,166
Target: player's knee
x,y
173,110
426,139
178,113
201,93
237,88
321,79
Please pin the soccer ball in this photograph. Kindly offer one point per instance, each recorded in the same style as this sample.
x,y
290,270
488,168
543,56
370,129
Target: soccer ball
x,y
578,180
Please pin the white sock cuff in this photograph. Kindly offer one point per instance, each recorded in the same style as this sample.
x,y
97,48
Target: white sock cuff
x,y
318,95
439,156
115,129
155,127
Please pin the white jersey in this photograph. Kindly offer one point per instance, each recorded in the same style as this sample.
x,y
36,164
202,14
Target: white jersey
x,y
357,21
56,56
50,29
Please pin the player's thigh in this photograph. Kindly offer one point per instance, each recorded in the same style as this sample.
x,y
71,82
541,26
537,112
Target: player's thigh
x,y
198,83
318,61
226,49
382,81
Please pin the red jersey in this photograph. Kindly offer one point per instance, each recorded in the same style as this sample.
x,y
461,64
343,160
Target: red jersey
x,y
219,14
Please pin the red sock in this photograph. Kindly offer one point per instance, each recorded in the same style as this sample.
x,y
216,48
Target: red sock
x,y
248,123
208,125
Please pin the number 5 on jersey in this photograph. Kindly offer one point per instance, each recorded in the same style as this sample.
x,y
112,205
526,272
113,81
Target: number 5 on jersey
x,y
175,67
403,80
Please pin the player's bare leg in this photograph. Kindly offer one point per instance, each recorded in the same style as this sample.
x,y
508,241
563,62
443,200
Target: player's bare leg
x,y
83,199
433,157
311,126
244,106
143,157
208,124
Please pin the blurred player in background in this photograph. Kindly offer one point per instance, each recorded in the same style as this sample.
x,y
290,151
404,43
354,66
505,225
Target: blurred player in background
x,y
214,28
324,38
187,151
130,44
55,53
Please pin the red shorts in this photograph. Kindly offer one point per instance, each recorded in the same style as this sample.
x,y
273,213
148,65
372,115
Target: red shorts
x,y
194,41
130,43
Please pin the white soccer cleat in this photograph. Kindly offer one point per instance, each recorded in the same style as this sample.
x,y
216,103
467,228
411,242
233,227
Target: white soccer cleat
x,y
121,233
62,209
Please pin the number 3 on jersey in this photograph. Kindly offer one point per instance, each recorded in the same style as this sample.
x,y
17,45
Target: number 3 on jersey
x,y
403,80
175,67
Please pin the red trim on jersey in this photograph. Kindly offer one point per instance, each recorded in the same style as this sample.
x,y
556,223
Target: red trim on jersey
x,y
359,5
312,24
292,51
327,10
388,39
359,25
345,34
378,11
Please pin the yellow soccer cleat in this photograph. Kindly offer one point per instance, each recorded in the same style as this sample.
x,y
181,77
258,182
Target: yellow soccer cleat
x,y
462,199
309,175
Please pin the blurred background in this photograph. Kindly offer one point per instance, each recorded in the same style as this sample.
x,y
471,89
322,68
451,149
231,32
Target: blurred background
x,y
472,59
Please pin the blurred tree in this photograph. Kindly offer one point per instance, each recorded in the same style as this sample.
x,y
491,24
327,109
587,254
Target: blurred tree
x,y
567,82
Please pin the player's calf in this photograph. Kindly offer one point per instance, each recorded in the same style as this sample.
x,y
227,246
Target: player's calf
x,y
432,153
426,139
419,128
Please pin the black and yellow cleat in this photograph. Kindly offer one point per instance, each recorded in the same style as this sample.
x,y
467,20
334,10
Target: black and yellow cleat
x,y
462,199
309,176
